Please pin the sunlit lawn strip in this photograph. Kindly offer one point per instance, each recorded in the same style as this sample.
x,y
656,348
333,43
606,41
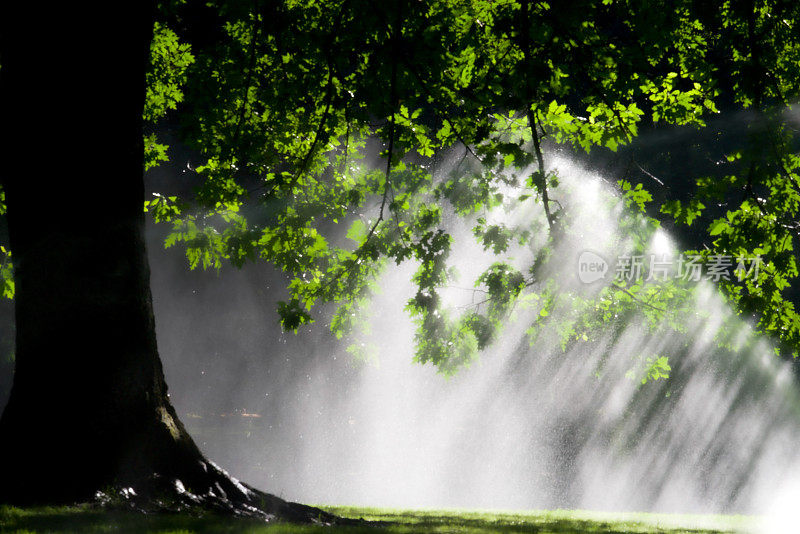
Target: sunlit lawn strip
x,y
88,519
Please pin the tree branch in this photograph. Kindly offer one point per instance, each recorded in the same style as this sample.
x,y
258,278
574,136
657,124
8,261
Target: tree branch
x,y
542,186
625,290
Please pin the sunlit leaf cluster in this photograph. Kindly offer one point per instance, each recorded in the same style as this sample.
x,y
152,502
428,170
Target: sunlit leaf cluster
x,y
332,139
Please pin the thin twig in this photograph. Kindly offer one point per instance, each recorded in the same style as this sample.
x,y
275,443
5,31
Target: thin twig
x,y
542,185
637,299
647,173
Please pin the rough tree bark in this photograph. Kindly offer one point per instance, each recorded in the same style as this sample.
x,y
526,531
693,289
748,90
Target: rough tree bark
x,y
89,410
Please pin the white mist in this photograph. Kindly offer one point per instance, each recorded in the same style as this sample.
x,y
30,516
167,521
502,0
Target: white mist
x,y
524,427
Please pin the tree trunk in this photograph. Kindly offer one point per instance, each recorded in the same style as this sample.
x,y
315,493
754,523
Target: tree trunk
x,y
89,410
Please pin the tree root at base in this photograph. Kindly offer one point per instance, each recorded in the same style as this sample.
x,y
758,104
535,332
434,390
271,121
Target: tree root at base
x,y
216,493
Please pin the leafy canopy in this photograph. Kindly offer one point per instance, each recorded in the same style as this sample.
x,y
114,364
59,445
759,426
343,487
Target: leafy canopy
x,y
282,102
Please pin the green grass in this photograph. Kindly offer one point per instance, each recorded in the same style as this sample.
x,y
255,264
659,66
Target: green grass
x,y
86,519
